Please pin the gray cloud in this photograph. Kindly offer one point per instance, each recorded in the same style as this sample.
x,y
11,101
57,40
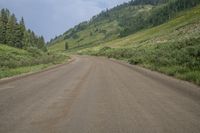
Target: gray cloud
x,y
53,17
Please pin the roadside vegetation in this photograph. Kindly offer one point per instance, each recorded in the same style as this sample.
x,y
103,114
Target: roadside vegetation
x,y
14,61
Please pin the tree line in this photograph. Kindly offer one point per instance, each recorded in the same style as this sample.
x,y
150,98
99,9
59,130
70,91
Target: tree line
x,y
14,33
146,2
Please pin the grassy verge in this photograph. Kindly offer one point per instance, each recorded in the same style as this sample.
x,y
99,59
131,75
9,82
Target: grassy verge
x,y
15,61
20,70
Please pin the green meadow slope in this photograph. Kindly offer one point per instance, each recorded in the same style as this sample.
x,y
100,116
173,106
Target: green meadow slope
x,y
172,48
99,30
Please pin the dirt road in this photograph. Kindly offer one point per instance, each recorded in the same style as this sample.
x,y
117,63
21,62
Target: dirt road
x,y
97,95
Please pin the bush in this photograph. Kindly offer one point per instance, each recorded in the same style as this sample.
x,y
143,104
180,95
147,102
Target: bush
x,y
104,49
66,46
34,51
135,61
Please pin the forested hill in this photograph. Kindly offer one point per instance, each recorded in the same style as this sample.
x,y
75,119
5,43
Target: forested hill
x,y
15,34
121,21
21,50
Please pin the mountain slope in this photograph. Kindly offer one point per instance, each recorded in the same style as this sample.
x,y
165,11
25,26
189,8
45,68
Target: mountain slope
x,y
101,28
120,21
171,46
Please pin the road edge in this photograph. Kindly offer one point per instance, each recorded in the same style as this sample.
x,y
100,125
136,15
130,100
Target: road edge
x,y
185,87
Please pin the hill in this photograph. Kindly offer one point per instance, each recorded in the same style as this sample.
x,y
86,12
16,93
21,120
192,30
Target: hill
x,y
101,28
120,21
172,48
169,43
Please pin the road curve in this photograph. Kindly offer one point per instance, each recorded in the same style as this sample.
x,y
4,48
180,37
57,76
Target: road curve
x,y
97,95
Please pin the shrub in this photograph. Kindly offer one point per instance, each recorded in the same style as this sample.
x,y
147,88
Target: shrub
x,y
66,46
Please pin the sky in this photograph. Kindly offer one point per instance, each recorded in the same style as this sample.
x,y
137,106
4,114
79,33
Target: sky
x,y
53,17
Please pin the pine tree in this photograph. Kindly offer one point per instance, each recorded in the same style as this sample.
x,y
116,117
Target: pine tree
x,y
27,40
10,32
40,43
1,30
34,40
3,24
19,32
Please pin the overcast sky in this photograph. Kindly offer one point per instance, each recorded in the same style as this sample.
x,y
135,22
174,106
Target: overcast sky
x,y
53,17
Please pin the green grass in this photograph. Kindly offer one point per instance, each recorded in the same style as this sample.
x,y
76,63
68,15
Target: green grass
x,y
15,61
20,70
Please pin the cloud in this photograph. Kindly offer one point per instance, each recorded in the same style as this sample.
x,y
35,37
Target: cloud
x,y
53,17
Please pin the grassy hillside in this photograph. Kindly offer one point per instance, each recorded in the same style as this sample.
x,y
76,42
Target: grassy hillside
x,y
170,45
99,30
15,61
119,22
172,48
